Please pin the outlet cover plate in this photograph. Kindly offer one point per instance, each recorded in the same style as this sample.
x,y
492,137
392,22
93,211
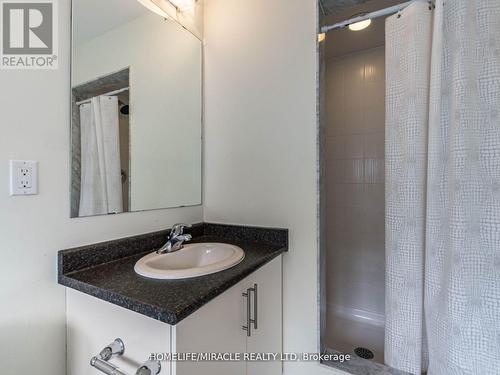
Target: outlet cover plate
x,y
23,177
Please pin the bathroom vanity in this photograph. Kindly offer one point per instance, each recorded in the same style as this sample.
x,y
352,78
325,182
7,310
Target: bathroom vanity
x,y
136,145
238,310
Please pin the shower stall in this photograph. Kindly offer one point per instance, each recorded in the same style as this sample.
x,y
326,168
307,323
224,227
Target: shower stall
x,y
354,183
410,164
355,202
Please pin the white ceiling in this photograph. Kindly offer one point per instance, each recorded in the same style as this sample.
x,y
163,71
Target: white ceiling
x,y
335,6
92,18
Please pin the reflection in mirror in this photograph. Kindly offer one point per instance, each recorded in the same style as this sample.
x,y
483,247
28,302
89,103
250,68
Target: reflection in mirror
x,y
136,110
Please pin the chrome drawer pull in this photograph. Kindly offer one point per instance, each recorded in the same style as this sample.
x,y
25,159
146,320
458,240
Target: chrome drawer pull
x,y
255,299
117,347
251,320
248,327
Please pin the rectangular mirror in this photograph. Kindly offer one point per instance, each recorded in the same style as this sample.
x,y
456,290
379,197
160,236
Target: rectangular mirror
x,y
136,82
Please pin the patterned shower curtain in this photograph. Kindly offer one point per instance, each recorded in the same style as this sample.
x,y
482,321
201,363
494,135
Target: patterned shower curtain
x,y
443,188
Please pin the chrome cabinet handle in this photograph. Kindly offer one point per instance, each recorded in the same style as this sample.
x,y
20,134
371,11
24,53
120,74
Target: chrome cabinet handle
x,y
117,347
248,327
251,320
255,299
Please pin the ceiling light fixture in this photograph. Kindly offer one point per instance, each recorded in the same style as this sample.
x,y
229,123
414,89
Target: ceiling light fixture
x,y
360,25
156,7
168,8
183,5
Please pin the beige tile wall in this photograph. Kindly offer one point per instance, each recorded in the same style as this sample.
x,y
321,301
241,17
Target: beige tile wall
x,y
355,97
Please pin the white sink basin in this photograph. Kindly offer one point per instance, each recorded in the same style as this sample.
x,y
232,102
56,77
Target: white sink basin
x,y
193,260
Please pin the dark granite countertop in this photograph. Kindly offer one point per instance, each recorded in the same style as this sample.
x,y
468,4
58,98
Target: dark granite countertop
x,y
106,270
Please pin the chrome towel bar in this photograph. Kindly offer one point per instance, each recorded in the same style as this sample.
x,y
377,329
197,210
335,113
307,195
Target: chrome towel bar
x,y
117,347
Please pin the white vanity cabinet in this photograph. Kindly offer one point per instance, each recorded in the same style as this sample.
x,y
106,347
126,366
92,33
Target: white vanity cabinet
x,y
217,327
92,324
214,328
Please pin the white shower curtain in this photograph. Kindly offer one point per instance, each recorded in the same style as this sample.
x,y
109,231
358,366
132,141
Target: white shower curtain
x,y
101,188
443,188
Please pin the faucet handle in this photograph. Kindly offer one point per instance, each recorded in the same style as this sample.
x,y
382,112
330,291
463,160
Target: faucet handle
x,y
178,229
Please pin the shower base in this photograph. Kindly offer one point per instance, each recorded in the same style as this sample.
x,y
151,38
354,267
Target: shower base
x,y
351,332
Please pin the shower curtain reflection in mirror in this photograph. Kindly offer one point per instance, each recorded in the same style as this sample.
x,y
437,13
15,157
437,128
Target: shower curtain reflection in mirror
x,y
100,145
101,182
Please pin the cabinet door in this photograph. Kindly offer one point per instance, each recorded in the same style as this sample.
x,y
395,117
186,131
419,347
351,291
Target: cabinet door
x,y
268,337
214,328
92,324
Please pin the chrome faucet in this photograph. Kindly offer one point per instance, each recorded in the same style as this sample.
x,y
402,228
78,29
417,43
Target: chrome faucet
x,y
176,239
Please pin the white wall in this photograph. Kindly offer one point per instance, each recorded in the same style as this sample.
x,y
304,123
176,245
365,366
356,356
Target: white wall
x,y
260,151
165,63
35,124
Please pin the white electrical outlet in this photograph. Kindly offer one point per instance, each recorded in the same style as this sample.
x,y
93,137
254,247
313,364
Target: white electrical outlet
x,y
23,177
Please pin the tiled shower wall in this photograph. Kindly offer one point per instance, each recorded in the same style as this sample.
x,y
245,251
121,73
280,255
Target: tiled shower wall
x,y
355,120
